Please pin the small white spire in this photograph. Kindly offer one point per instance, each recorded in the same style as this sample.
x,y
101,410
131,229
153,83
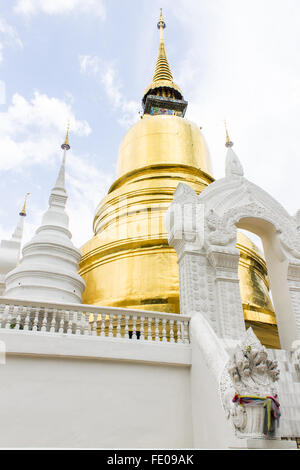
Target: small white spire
x,y
10,250
60,182
18,233
59,189
233,166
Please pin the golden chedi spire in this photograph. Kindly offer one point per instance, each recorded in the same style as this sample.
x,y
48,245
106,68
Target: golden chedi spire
x,y
66,145
162,68
162,82
23,211
228,143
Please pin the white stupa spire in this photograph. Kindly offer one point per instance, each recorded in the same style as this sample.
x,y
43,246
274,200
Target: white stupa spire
x,y
233,166
48,269
59,187
10,249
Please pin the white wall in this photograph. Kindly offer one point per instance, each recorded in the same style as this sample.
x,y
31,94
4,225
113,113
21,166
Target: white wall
x,y
67,391
211,429
88,402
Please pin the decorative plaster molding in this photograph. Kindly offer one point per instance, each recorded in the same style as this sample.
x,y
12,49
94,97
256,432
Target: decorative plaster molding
x,y
249,373
219,233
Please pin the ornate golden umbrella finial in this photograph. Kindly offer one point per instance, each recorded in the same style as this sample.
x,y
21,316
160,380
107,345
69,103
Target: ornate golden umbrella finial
x,y
162,82
161,24
162,68
65,145
228,143
23,211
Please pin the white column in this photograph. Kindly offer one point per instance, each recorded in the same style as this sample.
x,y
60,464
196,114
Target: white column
x,y
196,284
228,303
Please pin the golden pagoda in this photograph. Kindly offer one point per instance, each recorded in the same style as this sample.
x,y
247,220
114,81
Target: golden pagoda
x,y
128,262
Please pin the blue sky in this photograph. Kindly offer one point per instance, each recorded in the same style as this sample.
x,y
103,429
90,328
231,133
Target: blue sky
x,y
90,61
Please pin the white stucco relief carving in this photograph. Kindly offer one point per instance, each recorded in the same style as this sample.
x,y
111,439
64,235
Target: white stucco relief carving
x,y
250,373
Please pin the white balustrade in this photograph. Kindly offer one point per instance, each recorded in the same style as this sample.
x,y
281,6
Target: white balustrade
x,y
102,322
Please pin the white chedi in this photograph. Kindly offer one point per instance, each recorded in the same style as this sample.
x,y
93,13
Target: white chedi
x,y
48,268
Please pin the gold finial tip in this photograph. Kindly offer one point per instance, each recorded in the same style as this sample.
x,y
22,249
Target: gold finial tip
x,y
161,23
228,143
66,145
23,211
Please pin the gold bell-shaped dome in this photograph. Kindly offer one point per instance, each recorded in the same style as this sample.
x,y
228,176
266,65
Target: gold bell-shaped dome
x,y
131,243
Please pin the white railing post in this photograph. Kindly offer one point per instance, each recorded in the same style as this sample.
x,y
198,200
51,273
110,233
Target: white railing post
x,y
185,332
70,323
87,327
126,326
44,320
9,316
134,335
164,330
156,329
110,326
27,319
36,319
78,320
94,331
62,322
149,328
142,335
171,324
53,321
17,316
103,317
119,317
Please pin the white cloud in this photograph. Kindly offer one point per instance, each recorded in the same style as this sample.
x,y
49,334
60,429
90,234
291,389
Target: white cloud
x,y
107,75
8,37
10,33
30,130
57,7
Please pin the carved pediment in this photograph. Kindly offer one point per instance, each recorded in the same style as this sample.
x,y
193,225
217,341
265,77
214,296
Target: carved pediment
x,y
185,194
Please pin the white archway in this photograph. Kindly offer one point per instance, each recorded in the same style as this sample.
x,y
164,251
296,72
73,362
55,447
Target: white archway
x,y
208,264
